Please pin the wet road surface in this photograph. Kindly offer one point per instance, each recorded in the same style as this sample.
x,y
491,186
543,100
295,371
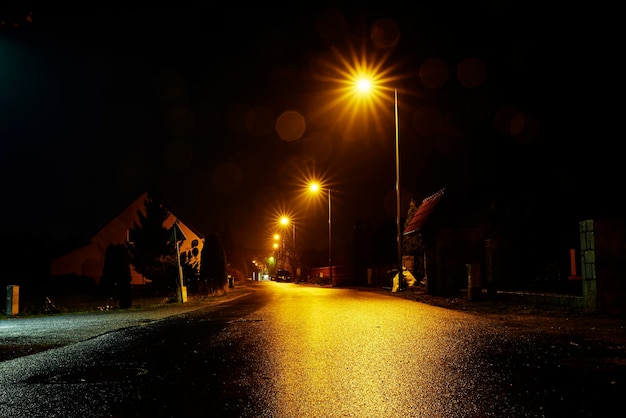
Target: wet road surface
x,y
286,350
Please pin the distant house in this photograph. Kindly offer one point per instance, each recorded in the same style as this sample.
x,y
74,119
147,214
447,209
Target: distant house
x,y
88,260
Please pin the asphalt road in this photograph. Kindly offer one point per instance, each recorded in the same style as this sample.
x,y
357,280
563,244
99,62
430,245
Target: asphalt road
x,y
21,336
293,350
27,335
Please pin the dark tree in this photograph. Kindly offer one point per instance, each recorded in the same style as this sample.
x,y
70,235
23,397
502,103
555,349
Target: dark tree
x,y
411,241
151,252
413,244
116,277
190,272
213,266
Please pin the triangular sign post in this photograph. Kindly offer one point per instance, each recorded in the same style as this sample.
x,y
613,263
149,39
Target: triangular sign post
x,y
176,236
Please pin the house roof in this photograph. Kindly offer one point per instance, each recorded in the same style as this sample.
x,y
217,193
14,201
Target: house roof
x,y
129,214
423,211
190,227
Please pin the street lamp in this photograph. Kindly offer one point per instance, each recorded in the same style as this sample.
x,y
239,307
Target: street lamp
x,y
364,85
276,247
315,187
284,220
398,231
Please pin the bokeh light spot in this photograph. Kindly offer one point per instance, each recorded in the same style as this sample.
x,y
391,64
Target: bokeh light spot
x,y
517,123
503,119
512,122
385,33
434,73
525,128
471,72
290,126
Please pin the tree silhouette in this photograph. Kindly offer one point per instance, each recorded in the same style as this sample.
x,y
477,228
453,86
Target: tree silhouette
x,y
116,277
150,250
213,268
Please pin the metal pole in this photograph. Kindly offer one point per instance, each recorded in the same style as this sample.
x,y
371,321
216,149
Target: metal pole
x,y
398,231
180,269
330,247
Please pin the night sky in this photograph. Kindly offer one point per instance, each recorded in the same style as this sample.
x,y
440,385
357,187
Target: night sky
x,y
229,111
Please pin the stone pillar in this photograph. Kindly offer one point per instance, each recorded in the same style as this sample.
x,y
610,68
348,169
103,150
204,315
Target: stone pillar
x,y
13,300
588,266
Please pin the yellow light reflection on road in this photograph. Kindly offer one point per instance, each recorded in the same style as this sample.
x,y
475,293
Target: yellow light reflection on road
x,y
330,356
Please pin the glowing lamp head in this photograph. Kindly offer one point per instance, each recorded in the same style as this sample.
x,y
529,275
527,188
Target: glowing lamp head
x,y
314,187
363,85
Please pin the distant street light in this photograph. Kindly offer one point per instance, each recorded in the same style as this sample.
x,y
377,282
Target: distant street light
x,y
276,247
284,220
315,187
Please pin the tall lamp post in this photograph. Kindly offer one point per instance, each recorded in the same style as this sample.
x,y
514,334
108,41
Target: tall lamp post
x,y
364,85
330,244
276,246
284,220
315,187
398,229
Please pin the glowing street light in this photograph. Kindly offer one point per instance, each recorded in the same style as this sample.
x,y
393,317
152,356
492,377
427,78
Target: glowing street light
x,y
285,221
364,85
276,247
315,188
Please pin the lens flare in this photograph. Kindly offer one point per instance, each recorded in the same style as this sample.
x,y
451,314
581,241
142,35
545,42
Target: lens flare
x,y
361,88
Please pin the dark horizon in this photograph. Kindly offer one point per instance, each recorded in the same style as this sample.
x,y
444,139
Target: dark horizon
x,y
99,107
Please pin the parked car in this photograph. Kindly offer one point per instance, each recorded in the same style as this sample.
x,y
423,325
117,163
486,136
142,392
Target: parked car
x,y
283,276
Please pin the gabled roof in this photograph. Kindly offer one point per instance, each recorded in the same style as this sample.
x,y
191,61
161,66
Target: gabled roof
x,y
124,219
423,211
88,259
190,227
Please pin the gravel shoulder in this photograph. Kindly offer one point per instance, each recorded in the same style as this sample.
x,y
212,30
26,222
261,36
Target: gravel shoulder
x,y
25,335
531,318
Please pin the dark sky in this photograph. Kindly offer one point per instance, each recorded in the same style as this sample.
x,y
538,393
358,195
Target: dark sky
x,y
95,107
